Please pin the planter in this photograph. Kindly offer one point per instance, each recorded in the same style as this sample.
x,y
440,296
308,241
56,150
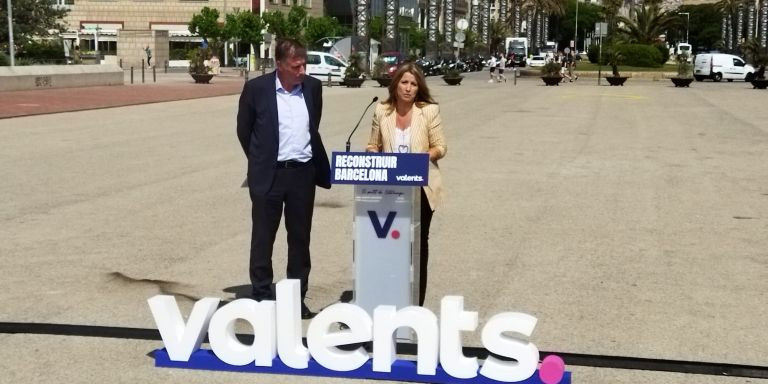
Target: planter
x,y
350,82
202,78
616,80
384,81
453,80
681,81
552,80
759,83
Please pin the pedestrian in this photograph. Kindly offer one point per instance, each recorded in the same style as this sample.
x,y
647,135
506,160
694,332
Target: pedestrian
x,y
501,64
277,125
572,67
564,68
492,67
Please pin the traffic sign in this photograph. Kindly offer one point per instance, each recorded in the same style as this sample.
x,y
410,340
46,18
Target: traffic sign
x,y
460,37
462,24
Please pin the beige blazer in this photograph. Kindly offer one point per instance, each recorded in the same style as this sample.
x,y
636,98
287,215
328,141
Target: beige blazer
x,y
426,133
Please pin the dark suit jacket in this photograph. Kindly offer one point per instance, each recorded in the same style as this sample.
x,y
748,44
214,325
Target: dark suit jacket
x,y
257,129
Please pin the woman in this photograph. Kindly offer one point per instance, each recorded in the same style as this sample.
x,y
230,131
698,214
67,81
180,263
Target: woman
x,y
500,66
409,121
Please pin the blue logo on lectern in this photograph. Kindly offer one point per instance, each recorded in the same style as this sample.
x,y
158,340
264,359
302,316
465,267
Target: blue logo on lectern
x,y
382,229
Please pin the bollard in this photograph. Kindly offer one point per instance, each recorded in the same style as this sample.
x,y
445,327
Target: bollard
x,y
514,75
121,63
166,66
263,70
329,79
131,75
246,74
142,71
154,76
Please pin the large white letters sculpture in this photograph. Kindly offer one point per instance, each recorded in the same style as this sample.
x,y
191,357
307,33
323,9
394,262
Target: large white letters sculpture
x,y
277,332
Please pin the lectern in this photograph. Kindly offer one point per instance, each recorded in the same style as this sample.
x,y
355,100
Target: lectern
x,y
386,225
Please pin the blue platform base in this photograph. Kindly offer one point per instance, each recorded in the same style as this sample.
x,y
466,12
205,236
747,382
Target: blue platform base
x,y
402,370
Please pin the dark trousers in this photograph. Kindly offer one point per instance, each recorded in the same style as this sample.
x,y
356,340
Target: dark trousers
x,y
292,193
426,220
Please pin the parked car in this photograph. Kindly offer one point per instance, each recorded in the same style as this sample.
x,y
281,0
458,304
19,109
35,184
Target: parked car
x,y
537,61
320,64
392,61
719,66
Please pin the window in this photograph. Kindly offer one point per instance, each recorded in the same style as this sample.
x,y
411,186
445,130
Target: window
x,y
313,59
333,61
738,63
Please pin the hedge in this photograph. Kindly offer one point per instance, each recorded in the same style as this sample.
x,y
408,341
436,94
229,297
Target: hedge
x,y
635,55
639,55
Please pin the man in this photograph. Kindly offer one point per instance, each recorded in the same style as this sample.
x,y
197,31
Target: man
x,y
492,67
277,125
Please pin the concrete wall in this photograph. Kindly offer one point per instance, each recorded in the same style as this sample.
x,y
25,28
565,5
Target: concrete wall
x,y
58,76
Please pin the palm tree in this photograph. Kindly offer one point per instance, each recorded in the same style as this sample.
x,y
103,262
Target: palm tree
x,y
610,12
729,8
538,10
649,23
497,34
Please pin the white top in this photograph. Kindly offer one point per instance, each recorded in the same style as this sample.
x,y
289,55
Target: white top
x,y
402,140
293,124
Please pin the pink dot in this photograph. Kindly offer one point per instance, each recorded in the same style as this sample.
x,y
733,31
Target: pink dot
x,y
395,234
552,369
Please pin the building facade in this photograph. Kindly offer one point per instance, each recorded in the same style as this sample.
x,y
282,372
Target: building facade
x,y
129,31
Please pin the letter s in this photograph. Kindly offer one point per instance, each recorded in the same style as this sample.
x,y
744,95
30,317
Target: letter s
x,y
525,352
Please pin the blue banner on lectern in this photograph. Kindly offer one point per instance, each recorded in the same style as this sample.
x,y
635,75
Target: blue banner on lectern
x,y
379,168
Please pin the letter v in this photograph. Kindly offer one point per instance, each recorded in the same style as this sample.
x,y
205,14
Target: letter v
x,y
181,339
382,230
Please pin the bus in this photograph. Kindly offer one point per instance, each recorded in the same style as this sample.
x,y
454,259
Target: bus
x,y
517,50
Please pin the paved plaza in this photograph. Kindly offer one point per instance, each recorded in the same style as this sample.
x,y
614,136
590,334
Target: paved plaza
x,y
631,221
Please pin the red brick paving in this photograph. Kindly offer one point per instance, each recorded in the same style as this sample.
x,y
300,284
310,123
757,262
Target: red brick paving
x,y
42,101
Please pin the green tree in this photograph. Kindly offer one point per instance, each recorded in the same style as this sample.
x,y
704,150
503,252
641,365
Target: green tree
x,y
704,26
320,27
417,37
291,26
206,25
610,13
31,19
245,26
498,32
377,27
649,22
589,14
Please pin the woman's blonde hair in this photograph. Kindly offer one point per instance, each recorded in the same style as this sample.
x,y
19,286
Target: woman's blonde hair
x,y
422,95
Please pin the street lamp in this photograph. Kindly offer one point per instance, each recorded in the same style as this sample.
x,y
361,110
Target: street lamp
x,y
687,24
576,30
11,49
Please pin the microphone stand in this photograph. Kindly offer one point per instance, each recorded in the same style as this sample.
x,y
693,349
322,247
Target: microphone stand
x,y
375,99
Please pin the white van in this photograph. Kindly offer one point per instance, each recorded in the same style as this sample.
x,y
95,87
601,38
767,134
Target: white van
x,y
684,49
718,66
320,64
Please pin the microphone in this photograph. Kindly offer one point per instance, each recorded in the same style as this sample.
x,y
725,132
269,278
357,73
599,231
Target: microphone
x,y
375,99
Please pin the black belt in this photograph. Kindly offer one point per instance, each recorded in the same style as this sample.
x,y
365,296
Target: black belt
x,y
292,164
